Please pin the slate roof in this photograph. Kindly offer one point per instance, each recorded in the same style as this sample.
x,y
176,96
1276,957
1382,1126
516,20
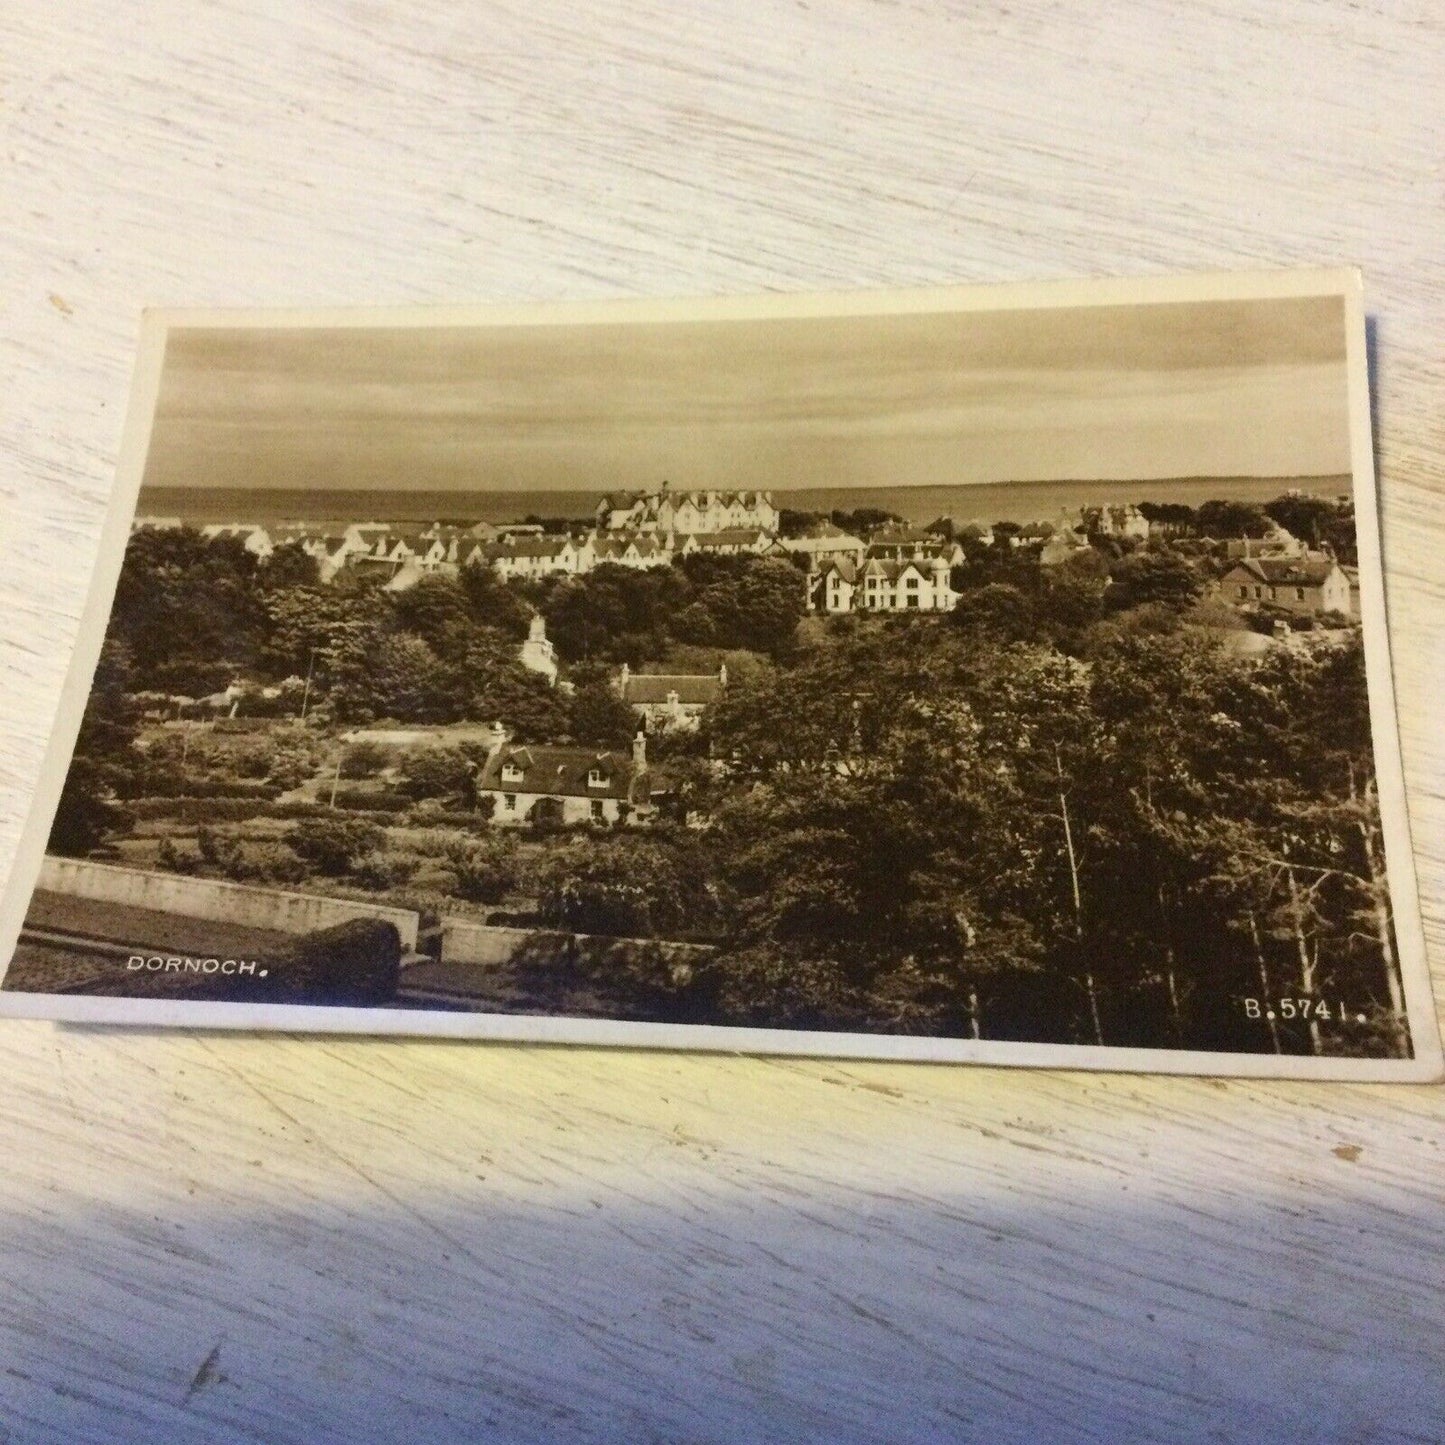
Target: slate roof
x,y
731,537
893,535
690,689
824,542
1286,571
884,567
526,547
615,544
561,772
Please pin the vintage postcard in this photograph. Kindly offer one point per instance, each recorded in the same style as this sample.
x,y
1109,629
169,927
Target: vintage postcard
x,y
980,674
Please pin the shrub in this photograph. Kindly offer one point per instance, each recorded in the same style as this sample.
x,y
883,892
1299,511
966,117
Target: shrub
x,y
438,773
383,870
486,869
364,759
173,859
201,810
624,887
373,799
433,814
274,863
435,880
332,845
357,963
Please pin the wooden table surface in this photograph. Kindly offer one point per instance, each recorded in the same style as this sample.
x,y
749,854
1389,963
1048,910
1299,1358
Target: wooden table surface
x,y
231,1238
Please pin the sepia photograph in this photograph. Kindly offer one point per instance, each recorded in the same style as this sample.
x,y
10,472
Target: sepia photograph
x,y
988,674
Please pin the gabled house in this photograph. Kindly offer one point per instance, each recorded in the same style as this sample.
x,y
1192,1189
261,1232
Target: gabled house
x,y
1308,587
667,702
687,512
538,556
913,544
730,542
885,586
1114,521
832,585
631,549
548,784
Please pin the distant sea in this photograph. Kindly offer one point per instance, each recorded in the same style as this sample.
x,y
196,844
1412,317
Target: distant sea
x,y
982,502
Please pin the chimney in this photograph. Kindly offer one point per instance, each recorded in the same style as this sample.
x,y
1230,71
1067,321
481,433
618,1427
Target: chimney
x,y
722,674
622,678
639,751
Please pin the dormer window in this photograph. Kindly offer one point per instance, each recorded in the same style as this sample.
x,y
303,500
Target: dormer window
x,y
511,773
596,778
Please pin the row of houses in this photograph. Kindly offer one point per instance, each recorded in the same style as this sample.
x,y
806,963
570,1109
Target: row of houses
x,y
687,513
405,555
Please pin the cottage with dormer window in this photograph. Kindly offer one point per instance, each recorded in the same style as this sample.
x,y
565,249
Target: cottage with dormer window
x,y
569,785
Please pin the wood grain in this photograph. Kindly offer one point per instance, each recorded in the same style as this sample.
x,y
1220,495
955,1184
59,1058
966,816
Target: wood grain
x,y
233,1238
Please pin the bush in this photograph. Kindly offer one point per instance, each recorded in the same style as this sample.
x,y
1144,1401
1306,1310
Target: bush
x,y
372,799
272,863
173,859
333,845
364,759
486,869
625,887
381,871
438,773
201,810
353,963
436,880
450,818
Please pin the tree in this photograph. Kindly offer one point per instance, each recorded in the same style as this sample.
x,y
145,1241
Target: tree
x,y
630,887
182,597
104,761
999,611
487,869
1145,578
439,773
1302,516
1232,519
404,682
599,717
289,565
861,521
1175,518
437,610
494,603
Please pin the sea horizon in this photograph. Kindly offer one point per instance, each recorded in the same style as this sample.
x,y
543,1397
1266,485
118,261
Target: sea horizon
x,y
983,502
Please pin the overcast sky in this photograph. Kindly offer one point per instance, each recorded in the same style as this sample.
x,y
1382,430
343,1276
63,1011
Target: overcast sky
x,y
1199,389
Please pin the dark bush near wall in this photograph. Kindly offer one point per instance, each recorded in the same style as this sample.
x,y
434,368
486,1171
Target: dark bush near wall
x,y
356,963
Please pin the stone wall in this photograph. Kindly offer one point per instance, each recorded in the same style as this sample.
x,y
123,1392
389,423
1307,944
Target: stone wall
x,y
213,899
466,942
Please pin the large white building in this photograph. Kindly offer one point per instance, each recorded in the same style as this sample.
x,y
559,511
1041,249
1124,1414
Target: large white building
x,y
922,586
687,513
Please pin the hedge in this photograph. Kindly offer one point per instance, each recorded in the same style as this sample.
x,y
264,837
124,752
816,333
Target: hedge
x,y
200,810
373,800
237,810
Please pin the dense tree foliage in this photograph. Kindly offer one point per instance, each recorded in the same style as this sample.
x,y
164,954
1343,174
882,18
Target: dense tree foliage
x,y
955,831
104,763
623,614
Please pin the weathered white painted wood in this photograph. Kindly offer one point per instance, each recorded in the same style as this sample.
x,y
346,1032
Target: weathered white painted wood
x,y
211,1237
